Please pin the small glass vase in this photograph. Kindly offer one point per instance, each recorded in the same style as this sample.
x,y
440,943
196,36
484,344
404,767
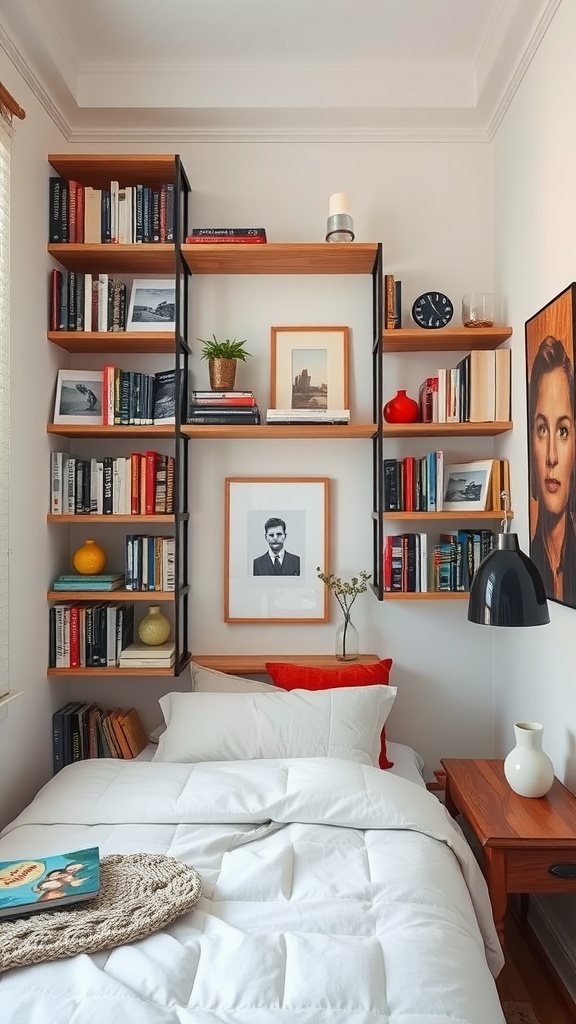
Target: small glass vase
x,y
347,641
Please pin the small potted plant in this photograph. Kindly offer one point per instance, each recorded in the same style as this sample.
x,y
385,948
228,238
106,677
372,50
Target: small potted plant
x,y
222,358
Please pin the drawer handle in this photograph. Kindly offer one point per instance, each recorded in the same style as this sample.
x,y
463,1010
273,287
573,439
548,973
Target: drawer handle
x,y
563,870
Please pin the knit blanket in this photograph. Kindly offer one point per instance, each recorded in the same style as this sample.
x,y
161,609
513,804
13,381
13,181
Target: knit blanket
x,y
139,894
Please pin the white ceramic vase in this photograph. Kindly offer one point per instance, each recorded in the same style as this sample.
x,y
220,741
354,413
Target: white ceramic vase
x,y
528,770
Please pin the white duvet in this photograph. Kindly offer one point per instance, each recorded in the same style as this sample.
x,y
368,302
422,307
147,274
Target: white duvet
x,y
333,893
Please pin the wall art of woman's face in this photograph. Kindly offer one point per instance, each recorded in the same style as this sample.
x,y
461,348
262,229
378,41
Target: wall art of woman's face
x,y
553,442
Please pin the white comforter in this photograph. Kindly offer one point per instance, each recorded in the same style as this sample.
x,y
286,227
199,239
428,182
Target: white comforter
x,y
333,893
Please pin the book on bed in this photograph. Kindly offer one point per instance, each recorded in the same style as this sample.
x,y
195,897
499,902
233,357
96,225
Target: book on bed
x,y
29,886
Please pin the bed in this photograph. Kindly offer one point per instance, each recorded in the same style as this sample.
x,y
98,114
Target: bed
x,y
333,891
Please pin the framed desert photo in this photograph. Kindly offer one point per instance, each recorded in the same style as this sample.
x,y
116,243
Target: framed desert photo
x,y
276,533
152,305
309,368
467,486
551,444
79,397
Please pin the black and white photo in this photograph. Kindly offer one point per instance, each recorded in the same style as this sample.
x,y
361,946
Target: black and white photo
x,y
79,397
466,486
152,305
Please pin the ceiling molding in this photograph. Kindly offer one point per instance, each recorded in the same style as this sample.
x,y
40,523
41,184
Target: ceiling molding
x,y
255,136
33,84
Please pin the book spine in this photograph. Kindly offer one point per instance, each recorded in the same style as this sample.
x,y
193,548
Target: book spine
x,y
237,240
228,233
56,198
150,490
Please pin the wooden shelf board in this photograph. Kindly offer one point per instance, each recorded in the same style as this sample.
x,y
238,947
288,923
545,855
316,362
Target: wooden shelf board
x,y
93,430
98,520
111,595
242,664
147,258
72,672
441,595
447,339
318,431
114,341
488,429
282,258
128,169
441,516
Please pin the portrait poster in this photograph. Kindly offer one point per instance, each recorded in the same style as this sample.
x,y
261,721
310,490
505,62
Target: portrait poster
x,y
551,444
276,533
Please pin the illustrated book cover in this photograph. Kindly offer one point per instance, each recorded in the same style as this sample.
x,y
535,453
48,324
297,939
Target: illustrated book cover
x,y
28,885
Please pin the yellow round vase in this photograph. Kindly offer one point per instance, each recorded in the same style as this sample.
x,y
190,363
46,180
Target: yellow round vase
x,y
90,559
155,627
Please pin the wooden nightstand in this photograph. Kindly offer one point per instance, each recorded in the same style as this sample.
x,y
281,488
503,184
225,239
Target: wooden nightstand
x,y
528,845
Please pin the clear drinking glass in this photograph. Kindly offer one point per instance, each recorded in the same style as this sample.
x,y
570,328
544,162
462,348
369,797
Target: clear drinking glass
x,y
478,309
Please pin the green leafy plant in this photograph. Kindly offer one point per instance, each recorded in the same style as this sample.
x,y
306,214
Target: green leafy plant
x,y
214,349
345,591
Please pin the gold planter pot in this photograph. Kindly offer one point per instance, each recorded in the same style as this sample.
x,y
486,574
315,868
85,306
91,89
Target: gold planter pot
x,y
222,374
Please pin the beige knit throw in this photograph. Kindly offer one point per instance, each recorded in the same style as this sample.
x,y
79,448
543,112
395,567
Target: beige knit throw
x,y
139,894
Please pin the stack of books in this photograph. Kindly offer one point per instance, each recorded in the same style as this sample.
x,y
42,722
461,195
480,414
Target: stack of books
x,y
308,415
103,581
139,655
477,390
81,731
223,407
230,236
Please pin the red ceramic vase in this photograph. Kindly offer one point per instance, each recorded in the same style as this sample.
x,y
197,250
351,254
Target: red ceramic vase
x,y
401,409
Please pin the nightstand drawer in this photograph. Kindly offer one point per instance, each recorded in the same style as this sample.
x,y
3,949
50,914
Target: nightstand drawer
x,y
529,870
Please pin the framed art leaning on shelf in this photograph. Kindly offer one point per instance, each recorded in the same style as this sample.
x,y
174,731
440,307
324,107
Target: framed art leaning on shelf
x,y
309,368
276,533
79,397
550,362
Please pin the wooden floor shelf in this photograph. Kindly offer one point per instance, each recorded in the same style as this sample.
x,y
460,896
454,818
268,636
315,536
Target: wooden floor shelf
x,y
247,664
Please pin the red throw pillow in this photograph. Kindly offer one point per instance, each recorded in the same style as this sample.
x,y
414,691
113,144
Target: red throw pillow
x,y
303,677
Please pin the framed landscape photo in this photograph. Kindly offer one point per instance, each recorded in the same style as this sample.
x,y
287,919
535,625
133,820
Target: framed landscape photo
x,y
79,397
550,360
309,368
152,305
466,486
276,533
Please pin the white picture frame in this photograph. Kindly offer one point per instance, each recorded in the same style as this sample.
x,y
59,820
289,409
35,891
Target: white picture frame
x,y
79,397
317,355
251,594
148,295
467,486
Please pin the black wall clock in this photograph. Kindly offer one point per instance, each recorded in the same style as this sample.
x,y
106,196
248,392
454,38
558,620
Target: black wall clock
x,y
432,310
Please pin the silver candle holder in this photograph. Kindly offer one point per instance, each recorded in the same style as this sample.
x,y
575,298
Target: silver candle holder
x,y
340,226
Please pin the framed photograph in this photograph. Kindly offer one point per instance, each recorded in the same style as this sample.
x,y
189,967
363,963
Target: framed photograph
x,y
309,368
466,486
276,533
152,305
79,397
550,360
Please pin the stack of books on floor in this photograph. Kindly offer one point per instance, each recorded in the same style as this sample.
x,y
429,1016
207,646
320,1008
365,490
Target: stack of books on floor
x,y
139,655
308,416
84,730
223,407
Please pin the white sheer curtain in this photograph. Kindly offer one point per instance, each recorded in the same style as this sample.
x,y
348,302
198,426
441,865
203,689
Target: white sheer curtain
x,y
5,145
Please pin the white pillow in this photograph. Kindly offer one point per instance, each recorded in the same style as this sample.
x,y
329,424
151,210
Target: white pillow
x,y
345,722
208,680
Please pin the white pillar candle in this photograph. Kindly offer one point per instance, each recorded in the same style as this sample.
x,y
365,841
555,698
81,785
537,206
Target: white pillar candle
x,y
339,203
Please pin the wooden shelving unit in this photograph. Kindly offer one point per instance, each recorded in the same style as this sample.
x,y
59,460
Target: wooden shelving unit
x,y
447,339
125,342
284,431
282,258
461,517
111,595
90,430
490,429
255,664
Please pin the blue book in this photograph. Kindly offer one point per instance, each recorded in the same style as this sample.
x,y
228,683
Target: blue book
x,y
31,885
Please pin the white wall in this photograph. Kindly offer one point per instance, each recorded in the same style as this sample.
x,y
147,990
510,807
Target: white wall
x,y
534,230
431,204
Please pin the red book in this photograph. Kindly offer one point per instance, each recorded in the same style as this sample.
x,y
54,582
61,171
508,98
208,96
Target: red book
x,y
135,483
72,190
80,213
428,389
225,240
150,488
408,482
74,636
388,563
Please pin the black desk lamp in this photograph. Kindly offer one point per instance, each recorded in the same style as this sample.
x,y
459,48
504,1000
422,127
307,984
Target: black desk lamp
x,y
507,589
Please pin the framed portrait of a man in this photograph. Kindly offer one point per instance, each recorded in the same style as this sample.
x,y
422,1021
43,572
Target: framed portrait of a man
x,y
552,444
276,533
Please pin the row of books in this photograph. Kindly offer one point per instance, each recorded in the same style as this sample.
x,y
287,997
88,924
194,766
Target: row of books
x,y
89,635
476,390
87,302
84,730
132,398
229,236
116,214
425,483
138,484
411,565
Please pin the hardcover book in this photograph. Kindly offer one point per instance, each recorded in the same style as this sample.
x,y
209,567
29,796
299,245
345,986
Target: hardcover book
x,y
28,886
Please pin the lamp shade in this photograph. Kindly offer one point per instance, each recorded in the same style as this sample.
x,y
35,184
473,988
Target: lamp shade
x,y
507,589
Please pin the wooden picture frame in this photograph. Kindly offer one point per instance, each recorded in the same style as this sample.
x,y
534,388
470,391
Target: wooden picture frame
x,y
550,360
79,396
467,486
152,305
309,368
269,516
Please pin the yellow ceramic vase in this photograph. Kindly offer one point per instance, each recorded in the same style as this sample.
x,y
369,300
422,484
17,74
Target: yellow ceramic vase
x,y
155,627
90,559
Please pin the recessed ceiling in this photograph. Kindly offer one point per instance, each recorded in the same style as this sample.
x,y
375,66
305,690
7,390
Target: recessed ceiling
x,y
326,69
